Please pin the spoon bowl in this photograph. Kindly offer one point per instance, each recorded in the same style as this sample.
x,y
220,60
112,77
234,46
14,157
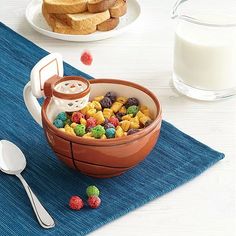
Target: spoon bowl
x,y
12,160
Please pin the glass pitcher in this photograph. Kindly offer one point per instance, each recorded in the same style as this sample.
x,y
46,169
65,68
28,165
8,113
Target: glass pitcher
x,y
205,48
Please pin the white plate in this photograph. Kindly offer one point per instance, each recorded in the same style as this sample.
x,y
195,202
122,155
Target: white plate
x,y
36,20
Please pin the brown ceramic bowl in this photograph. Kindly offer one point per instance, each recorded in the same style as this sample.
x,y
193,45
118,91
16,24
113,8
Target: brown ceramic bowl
x,y
108,157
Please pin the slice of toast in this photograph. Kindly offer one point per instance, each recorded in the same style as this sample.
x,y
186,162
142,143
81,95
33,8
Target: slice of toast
x,y
109,24
119,9
84,20
65,6
61,27
95,6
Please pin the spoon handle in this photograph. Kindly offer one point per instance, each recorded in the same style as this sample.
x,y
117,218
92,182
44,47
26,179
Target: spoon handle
x,y
44,219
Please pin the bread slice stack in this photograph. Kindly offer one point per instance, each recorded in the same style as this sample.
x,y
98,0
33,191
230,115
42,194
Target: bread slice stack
x,y
81,17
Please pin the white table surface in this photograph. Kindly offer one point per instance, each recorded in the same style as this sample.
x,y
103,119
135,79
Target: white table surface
x,y
204,206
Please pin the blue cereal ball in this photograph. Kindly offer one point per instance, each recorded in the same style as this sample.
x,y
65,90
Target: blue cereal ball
x,y
110,133
62,116
58,123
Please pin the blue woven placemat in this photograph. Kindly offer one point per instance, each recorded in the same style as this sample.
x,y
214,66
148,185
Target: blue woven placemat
x,y
176,159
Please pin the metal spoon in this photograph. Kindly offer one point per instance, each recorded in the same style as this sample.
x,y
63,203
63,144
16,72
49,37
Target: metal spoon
x,y
13,162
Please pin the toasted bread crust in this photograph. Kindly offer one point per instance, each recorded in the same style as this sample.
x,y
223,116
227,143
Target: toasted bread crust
x,y
66,7
119,9
80,24
61,27
95,6
109,24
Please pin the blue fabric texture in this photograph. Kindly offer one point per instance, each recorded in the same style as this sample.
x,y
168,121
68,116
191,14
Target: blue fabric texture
x,y
176,159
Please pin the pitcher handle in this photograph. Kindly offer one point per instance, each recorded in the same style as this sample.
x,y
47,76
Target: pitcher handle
x,y
32,104
174,13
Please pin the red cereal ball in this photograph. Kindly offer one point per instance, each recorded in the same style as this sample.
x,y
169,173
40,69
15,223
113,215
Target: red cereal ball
x,y
113,120
94,201
86,58
76,203
91,122
76,116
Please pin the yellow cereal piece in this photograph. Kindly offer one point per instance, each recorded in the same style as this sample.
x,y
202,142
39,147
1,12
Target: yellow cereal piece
x,y
125,124
97,105
125,134
116,106
88,135
122,100
144,119
119,132
145,110
62,129
73,125
84,110
91,112
107,113
67,127
127,117
90,105
69,130
98,99
134,125
123,109
83,121
143,107
103,136
135,120
139,114
99,117
87,108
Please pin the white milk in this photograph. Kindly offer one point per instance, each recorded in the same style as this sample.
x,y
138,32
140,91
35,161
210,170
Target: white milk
x,y
205,57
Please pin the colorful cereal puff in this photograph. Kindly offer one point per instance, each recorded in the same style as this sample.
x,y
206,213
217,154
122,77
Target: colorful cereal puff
x,y
80,130
98,131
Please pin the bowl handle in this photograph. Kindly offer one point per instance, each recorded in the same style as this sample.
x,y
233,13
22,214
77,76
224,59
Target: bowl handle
x,y
32,104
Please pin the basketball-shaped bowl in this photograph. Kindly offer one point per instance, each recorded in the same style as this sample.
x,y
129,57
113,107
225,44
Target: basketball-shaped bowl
x,y
104,158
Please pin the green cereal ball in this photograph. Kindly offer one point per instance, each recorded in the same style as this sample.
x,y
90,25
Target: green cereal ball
x,y
62,116
98,131
80,130
133,110
92,191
